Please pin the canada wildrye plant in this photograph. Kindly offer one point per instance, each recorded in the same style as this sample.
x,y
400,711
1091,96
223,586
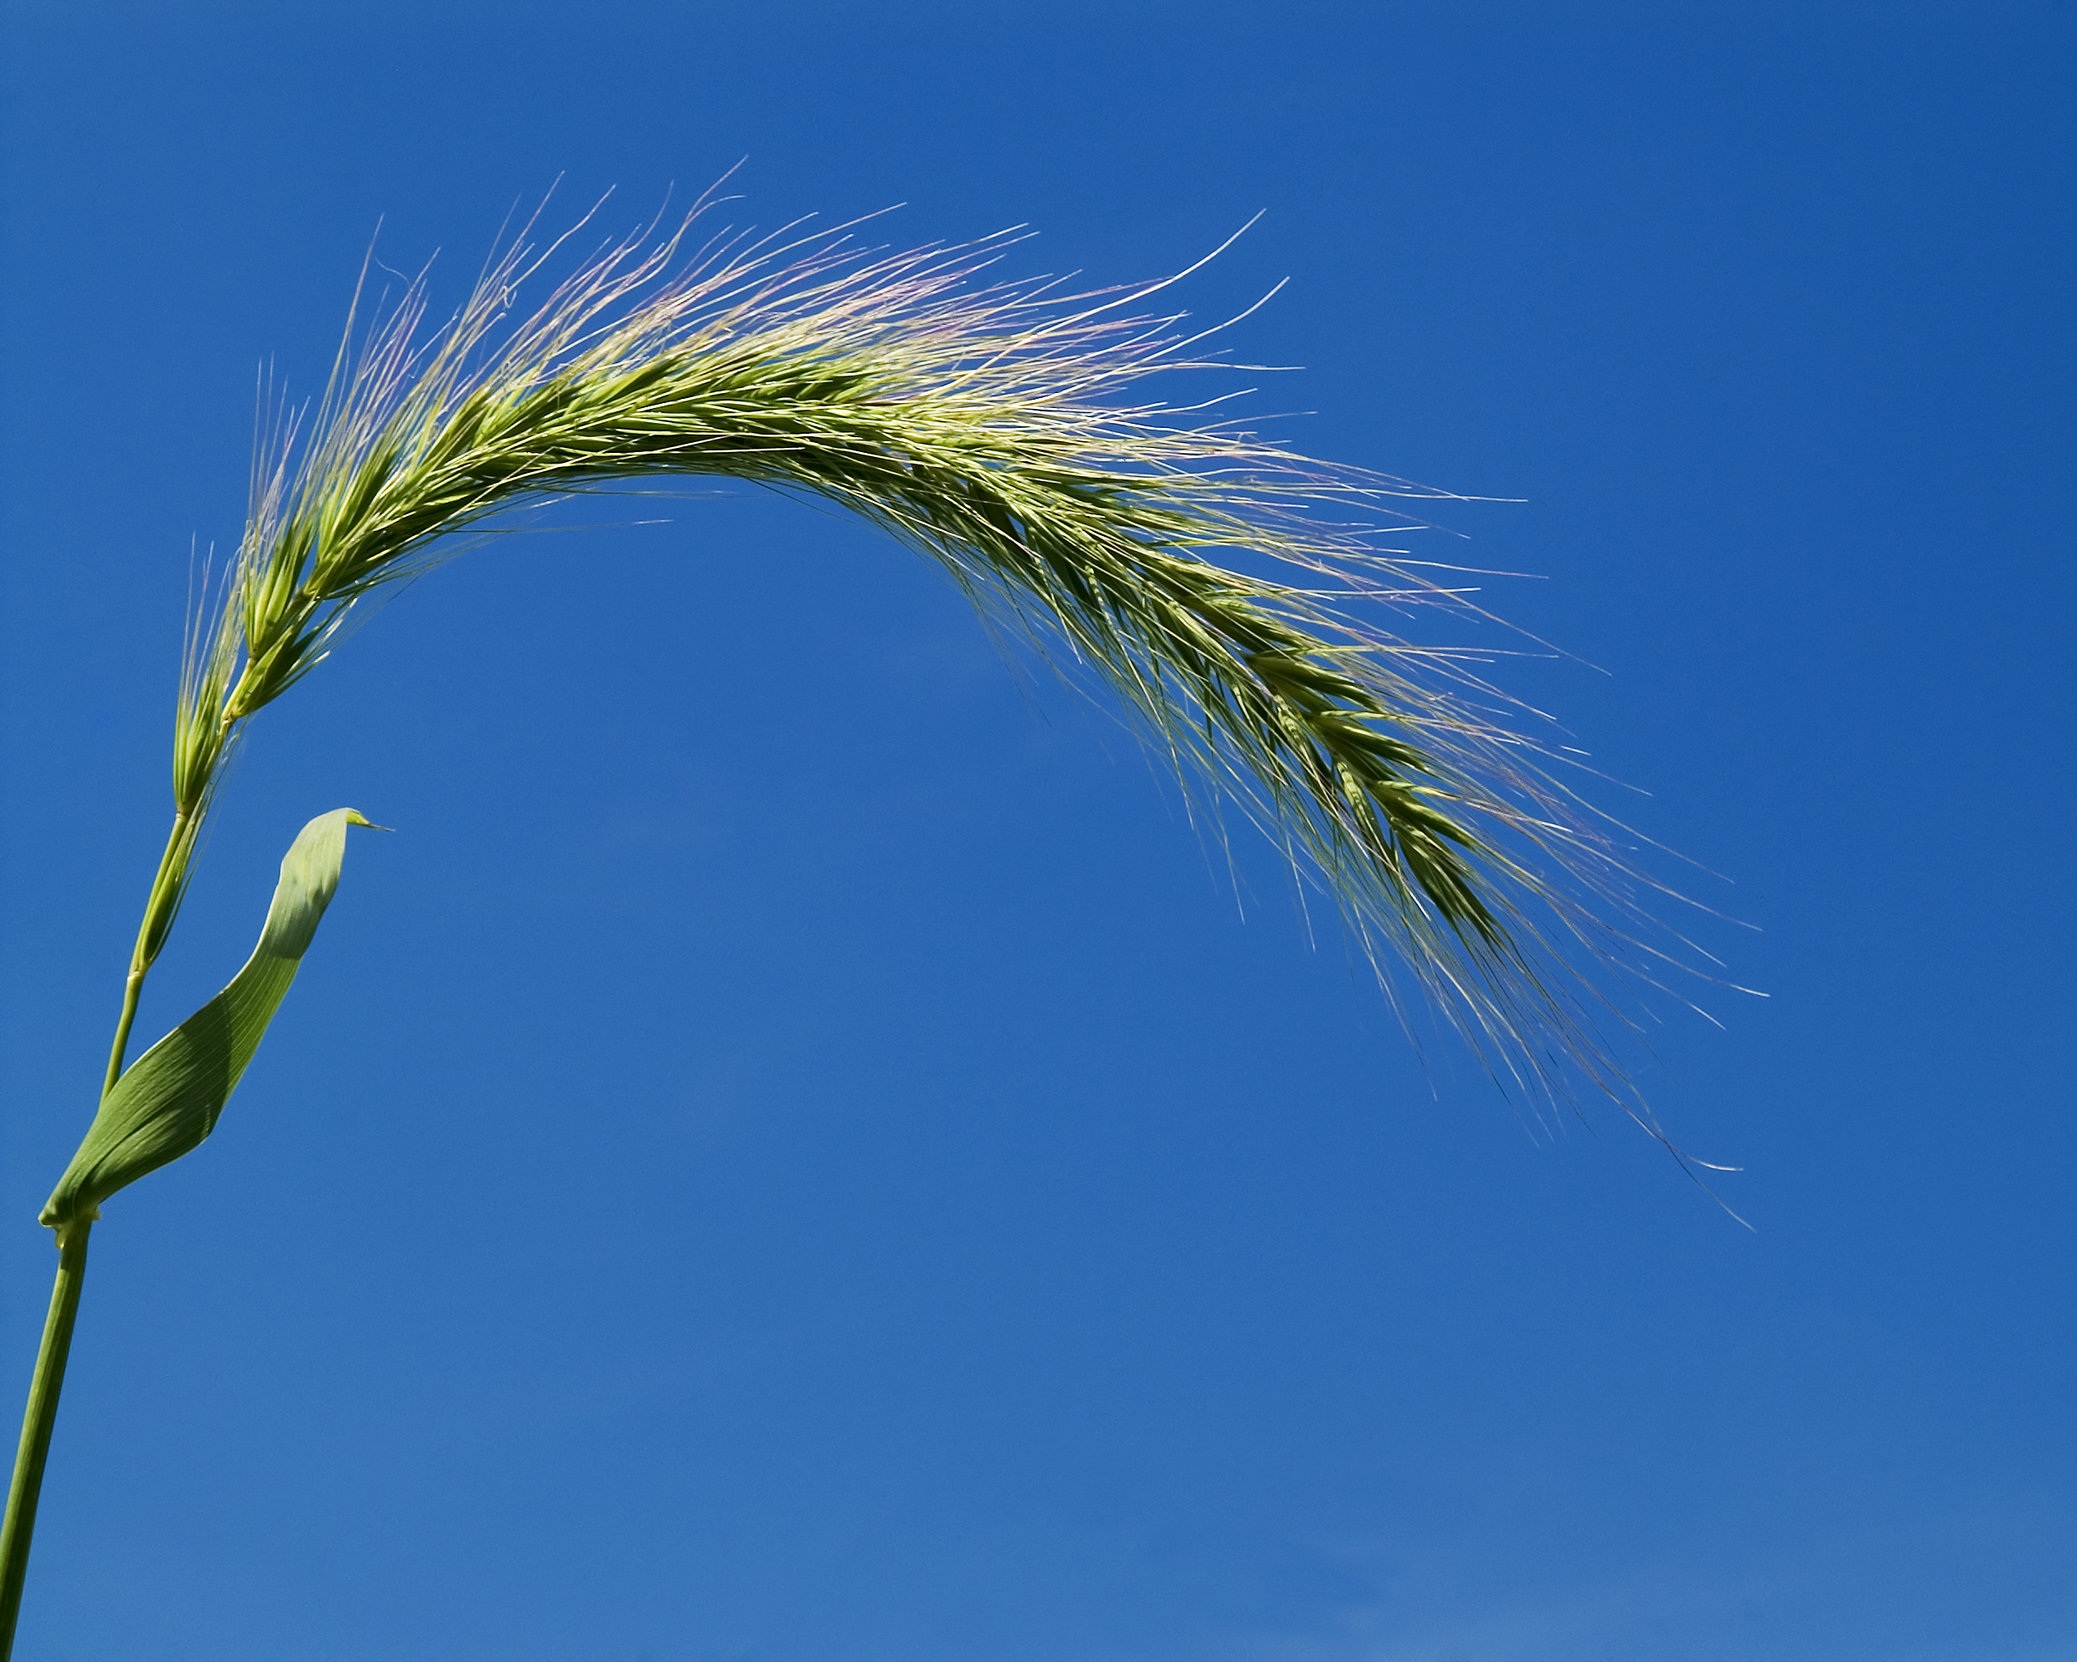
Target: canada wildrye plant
x,y
1215,583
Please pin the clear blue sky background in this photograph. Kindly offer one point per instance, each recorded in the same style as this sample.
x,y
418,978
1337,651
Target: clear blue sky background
x,y
791,1153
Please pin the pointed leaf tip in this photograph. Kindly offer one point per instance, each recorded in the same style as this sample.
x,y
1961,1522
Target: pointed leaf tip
x,y
168,1100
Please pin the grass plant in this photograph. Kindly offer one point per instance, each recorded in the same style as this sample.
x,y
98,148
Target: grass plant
x,y
1230,595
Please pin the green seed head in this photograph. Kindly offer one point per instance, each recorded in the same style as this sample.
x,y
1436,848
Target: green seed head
x,y
1226,590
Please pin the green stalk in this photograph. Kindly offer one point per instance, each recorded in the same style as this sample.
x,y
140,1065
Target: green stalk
x,y
41,1415
167,885
133,985
49,1379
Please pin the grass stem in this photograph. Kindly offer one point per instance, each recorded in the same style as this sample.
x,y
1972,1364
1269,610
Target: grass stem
x,y
37,1420
168,884
133,985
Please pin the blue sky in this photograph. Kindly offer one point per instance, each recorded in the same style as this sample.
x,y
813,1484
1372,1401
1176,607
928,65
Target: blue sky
x,y
793,1151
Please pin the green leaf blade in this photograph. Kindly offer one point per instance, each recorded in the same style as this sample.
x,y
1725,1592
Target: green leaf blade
x,y
168,1101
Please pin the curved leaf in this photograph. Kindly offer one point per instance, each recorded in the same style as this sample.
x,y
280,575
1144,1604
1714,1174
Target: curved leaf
x,y
169,1099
